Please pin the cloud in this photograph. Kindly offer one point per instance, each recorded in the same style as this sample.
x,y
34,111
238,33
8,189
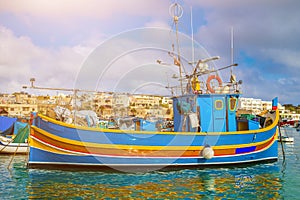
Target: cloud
x,y
160,24
283,56
127,61
103,9
20,60
257,24
265,32
69,22
123,63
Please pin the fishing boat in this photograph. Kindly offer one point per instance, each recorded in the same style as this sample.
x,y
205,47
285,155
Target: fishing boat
x,y
13,138
206,132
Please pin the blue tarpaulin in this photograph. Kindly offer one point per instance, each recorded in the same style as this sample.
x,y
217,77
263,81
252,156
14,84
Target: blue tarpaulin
x,y
6,122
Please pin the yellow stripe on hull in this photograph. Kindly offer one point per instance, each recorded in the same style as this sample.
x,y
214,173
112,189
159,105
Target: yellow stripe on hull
x,y
40,145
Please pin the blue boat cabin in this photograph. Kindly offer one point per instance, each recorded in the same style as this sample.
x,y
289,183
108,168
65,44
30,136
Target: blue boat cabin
x,y
209,113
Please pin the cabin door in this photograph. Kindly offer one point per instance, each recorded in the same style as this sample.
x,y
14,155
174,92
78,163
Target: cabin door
x,y
219,114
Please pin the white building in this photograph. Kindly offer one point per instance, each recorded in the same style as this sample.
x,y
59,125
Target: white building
x,y
251,104
256,106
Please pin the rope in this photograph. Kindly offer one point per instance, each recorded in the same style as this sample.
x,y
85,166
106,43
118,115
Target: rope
x,y
5,145
281,142
16,148
13,156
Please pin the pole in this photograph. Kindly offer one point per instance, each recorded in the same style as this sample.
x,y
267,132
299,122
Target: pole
x,y
231,50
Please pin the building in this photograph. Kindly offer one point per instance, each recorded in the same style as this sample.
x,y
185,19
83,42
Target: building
x,y
17,104
256,106
250,104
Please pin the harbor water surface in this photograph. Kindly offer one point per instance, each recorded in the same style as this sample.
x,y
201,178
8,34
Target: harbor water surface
x,y
278,180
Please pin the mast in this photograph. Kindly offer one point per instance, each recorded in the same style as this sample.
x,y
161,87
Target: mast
x,y
176,12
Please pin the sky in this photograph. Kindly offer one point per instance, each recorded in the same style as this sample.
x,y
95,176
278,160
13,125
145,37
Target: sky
x,y
113,45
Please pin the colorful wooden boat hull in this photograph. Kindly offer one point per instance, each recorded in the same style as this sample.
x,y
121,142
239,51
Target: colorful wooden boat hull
x,y
60,144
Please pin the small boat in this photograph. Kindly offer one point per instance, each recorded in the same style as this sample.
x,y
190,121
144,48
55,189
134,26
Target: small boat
x,y
14,138
284,134
8,146
289,123
285,138
206,132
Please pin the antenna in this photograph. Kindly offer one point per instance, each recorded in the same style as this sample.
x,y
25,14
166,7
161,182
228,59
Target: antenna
x,y
231,49
192,30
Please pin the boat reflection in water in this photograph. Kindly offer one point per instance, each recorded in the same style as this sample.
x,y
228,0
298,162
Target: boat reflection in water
x,y
252,182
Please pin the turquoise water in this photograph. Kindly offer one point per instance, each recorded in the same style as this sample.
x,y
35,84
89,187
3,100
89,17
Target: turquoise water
x,y
278,180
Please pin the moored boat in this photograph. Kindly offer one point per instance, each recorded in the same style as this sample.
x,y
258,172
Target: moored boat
x,y
56,143
14,139
286,139
288,123
8,146
206,132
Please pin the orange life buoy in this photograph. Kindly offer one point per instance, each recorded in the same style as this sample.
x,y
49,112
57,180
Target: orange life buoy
x,y
211,77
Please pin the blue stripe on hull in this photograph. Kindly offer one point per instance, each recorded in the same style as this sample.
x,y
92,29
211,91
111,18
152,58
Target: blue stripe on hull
x,y
245,150
38,156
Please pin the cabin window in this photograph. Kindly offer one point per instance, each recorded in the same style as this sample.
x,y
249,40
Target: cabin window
x,y
232,104
219,104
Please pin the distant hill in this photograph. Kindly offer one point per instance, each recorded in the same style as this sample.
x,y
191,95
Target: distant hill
x,y
292,108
